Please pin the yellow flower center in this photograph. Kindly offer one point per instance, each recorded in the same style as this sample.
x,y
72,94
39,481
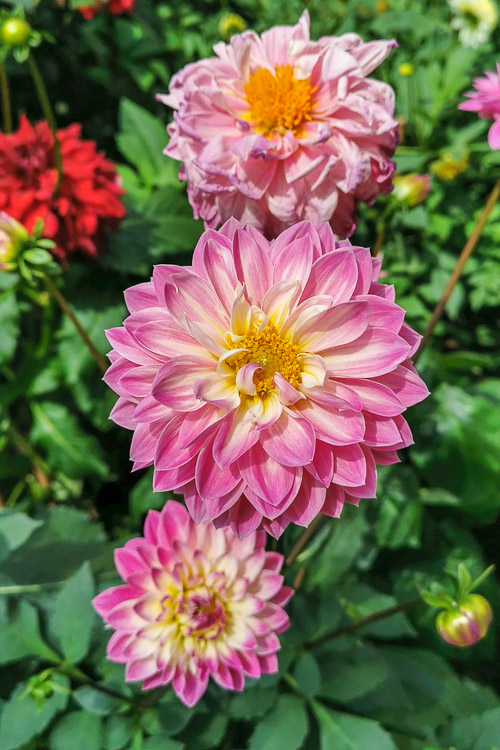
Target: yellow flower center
x,y
267,349
280,102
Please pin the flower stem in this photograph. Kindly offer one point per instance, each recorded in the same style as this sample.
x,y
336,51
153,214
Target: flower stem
x,y
353,626
76,674
64,305
49,116
6,109
303,539
459,267
380,239
40,468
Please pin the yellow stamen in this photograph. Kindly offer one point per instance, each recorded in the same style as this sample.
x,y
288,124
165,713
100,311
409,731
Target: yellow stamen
x,y
280,102
273,354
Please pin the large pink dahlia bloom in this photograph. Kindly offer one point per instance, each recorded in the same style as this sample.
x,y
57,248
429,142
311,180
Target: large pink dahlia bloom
x,y
265,381
485,100
197,602
279,128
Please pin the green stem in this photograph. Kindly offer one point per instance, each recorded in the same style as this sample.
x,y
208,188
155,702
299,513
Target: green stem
x,y
77,675
49,116
65,307
6,109
40,468
351,627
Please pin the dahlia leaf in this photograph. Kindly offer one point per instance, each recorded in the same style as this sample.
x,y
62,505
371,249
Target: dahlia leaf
x,y
73,615
283,728
78,730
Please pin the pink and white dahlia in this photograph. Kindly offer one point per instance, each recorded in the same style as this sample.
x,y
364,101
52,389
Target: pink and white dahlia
x,y
266,380
197,603
278,128
485,100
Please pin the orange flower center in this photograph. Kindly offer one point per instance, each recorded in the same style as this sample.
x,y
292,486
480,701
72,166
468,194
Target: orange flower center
x,y
279,102
273,354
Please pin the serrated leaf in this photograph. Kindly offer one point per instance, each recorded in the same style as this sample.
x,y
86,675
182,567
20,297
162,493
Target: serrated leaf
x,y
73,616
346,732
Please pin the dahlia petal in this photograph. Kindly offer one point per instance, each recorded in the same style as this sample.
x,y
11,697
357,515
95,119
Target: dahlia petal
x,y
140,669
123,343
494,135
287,393
218,391
140,297
313,370
265,476
308,502
166,338
211,480
278,301
375,352
406,384
341,428
380,431
104,602
289,441
334,275
252,266
190,295
243,518
115,649
124,617
375,397
234,438
322,464
172,479
127,562
174,383
350,465
294,260
122,413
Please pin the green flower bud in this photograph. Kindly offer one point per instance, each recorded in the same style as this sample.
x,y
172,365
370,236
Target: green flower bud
x,y
466,623
14,32
13,237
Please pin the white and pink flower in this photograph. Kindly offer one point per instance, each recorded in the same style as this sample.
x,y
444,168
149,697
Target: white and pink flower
x,y
197,602
278,128
265,381
485,100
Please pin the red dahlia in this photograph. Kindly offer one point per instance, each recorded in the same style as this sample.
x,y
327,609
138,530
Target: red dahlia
x,y
88,201
117,7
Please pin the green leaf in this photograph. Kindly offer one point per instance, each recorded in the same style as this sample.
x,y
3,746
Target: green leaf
x,y
15,529
78,730
117,732
141,140
9,330
142,497
346,732
161,743
351,674
400,515
73,615
205,730
252,703
283,728
20,633
22,717
68,448
94,700
307,675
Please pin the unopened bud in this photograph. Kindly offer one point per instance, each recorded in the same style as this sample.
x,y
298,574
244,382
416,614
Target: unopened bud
x,y
13,237
411,189
14,32
448,167
467,623
231,23
406,69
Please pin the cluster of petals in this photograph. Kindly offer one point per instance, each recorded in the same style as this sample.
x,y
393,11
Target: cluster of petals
x,y
485,100
197,602
278,128
88,201
265,381
116,7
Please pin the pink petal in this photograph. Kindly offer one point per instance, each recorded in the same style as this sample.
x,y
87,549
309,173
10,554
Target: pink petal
x,y
266,477
290,441
375,352
334,275
339,325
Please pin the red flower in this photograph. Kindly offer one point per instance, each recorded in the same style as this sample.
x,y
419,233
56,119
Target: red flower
x,y
117,7
88,201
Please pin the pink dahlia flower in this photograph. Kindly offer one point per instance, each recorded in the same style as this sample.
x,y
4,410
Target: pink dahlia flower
x,y
279,128
485,100
265,381
197,602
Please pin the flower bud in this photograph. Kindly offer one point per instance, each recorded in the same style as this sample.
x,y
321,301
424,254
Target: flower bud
x,y
231,23
12,238
466,624
406,69
14,32
448,167
411,189
381,6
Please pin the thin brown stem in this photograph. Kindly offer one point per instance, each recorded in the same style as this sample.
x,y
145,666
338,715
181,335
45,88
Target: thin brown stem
x,y
46,106
6,109
78,676
64,305
40,468
351,627
459,267
380,239
303,539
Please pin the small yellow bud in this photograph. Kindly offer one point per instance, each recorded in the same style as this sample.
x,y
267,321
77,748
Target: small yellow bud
x,y
448,167
381,6
231,23
14,32
406,69
411,189
12,238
